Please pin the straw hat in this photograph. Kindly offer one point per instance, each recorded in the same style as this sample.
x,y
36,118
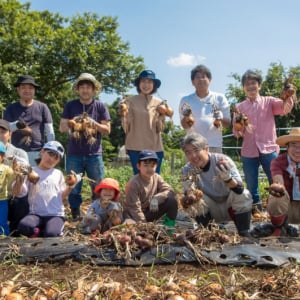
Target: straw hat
x,y
293,136
88,77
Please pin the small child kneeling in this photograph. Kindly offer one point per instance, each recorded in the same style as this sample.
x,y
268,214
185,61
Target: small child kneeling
x,y
105,211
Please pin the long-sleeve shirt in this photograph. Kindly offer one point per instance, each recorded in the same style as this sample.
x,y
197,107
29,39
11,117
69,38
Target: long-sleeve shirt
x,y
45,197
279,166
139,193
143,125
260,136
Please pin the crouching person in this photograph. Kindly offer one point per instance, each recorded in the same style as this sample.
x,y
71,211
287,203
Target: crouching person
x,y
46,188
105,211
284,200
148,196
216,175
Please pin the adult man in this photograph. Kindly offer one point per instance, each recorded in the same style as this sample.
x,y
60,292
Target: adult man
x,y
84,154
259,132
30,120
216,175
284,199
210,110
18,207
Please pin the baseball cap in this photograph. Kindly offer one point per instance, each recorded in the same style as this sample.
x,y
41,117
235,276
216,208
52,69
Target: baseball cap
x,y
4,124
147,154
2,148
55,147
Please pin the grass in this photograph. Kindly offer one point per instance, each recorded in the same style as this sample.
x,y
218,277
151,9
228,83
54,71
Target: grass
x,y
171,172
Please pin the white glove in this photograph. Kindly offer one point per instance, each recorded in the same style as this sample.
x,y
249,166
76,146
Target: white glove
x,y
13,126
154,205
78,178
223,171
218,115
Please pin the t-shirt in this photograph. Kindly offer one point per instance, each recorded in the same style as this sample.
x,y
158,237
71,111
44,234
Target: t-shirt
x,y
35,116
203,111
95,110
45,197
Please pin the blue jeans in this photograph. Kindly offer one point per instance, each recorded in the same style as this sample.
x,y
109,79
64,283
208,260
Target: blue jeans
x,y
93,166
251,167
134,158
4,229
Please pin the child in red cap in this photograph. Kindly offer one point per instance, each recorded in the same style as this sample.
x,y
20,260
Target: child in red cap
x,y
105,211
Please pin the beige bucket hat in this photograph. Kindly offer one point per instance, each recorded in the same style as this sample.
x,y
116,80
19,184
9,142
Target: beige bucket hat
x,y
88,77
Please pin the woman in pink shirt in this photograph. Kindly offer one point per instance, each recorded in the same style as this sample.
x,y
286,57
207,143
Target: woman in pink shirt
x,y
259,137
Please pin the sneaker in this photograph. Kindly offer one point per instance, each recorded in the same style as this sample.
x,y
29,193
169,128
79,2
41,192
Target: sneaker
x,y
75,213
36,232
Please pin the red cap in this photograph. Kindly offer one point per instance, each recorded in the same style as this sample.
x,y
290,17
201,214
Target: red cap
x,y
108,183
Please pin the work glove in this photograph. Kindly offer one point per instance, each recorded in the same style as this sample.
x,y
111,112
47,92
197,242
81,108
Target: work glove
x,y
73,178
223,171
276,190
17,125
218,115
154,205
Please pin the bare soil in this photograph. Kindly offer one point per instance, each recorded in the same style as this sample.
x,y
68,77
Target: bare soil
x,y
69,279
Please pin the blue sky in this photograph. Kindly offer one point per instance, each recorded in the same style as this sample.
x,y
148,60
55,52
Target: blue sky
x,y
228,36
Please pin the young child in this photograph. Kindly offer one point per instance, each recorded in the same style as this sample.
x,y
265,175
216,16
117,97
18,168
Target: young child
x,y
105,211
6,179
45,197
148,196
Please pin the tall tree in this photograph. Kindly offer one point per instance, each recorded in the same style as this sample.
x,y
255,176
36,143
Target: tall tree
x,y
55,50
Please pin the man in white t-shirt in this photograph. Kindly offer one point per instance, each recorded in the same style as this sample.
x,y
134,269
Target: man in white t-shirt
x,y
210,110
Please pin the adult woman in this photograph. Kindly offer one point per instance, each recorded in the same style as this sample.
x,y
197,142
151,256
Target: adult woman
x,y
143,124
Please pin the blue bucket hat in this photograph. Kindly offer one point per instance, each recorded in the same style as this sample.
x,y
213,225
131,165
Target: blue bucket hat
x,y
149,75
55,147
147,154
2,148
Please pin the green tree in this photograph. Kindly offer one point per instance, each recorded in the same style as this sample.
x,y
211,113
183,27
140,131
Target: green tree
x,y
272,86
55,50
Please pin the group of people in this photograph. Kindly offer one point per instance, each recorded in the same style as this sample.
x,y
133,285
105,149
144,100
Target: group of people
x,y
37,206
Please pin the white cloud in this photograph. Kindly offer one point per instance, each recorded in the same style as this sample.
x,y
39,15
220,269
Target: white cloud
x,y
185,59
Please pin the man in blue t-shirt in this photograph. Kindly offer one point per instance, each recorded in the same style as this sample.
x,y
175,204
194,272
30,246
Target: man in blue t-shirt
x,y
84,150
30,120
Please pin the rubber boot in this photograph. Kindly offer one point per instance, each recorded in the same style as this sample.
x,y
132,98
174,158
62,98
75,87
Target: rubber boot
x,y
204,219
242,223
279,223
169,223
